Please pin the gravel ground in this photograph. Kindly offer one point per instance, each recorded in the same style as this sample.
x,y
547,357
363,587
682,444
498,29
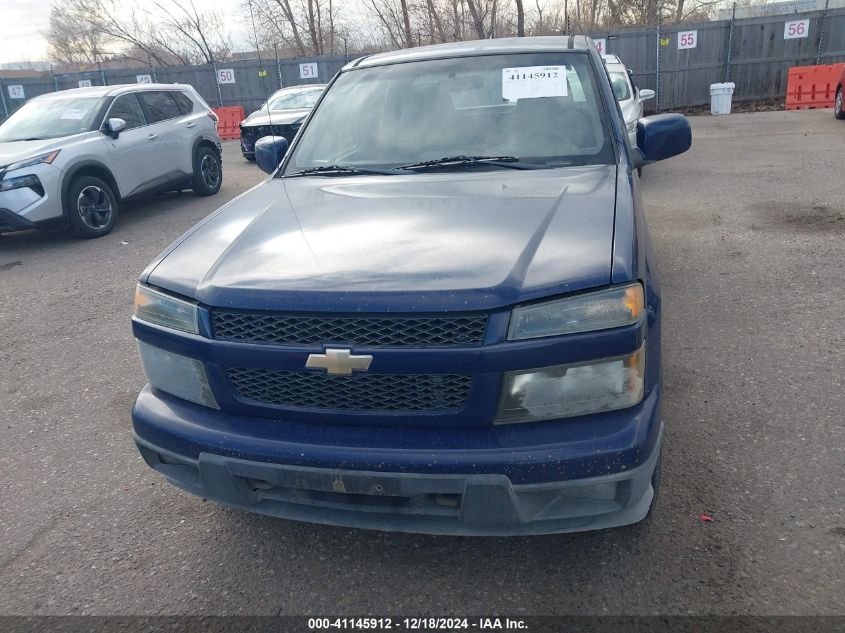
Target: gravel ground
x,y
749,229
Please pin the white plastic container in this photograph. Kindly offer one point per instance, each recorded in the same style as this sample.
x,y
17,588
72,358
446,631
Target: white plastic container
x,y
721,96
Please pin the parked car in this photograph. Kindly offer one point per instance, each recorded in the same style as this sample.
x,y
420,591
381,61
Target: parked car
x,y
441,314
75,156
629,96
837,104
281,115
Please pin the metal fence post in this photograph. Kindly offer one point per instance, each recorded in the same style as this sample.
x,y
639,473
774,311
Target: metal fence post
x,y
821,32
102,73
217,83
152,69
3,99
278,65
730,45
55,81
657,72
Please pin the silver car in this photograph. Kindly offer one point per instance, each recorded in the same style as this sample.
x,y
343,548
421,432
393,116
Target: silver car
x,y
630,97
74,156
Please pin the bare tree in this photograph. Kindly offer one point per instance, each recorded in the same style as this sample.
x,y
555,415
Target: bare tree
x,y
71,39
520,19
305,27
177,33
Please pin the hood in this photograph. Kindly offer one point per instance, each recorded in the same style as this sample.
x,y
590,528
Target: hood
x,y
278,117
15,151
416,243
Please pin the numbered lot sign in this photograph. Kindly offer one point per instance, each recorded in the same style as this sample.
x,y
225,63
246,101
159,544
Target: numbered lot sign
x,y
687,39
601,46
226,76
84,83
796,29
308,71
16,92
144,79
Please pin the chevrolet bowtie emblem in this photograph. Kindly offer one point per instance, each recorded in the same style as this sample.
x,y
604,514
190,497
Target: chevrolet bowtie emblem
x,y
340,362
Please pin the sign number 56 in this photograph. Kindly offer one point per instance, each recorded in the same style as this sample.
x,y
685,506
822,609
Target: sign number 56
x,y
796,29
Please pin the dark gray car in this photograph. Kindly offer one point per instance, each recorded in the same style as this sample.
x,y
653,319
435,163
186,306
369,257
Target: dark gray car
x,y
281,115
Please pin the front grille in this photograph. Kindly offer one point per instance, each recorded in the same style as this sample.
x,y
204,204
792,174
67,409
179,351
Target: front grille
x,y
371,331
255,132
359,392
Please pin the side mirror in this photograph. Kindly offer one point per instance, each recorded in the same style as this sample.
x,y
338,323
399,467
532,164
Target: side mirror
x,y
661,136
116,126
269,152
645,94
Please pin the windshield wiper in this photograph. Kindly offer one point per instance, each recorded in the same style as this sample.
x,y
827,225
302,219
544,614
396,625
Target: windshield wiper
x,y
343,170
508,162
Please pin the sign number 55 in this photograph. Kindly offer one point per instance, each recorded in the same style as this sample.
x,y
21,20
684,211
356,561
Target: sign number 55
x,y
687,39
796,29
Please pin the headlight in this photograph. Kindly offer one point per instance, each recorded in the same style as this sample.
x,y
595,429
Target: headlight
x,y
178,375
47,158
614,307
564,391
19,182
162,309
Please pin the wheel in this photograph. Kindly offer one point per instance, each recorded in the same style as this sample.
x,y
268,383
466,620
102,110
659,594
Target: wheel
x,y
91,207
250,157
837,105
208,173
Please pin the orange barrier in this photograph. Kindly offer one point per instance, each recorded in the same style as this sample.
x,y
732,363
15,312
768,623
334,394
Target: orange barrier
x,y
812,86
229,121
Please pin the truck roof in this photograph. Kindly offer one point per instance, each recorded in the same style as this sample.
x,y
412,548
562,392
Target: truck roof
x,y
476,47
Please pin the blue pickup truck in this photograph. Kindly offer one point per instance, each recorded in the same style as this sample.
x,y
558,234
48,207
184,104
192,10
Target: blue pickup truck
x,y
440,313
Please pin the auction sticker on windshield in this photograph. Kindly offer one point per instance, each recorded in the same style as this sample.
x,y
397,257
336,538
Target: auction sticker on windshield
x,y
74,115
532,82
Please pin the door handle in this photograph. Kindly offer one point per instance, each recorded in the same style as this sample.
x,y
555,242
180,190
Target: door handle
x,y
152,137
191,125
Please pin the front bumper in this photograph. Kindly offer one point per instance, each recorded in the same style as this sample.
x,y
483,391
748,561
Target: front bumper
x,y
506,484
23,208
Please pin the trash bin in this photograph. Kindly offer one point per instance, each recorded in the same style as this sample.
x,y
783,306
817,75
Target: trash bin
x,y
721,96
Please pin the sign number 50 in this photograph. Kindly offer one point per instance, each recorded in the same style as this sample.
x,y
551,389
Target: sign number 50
x,y
226,76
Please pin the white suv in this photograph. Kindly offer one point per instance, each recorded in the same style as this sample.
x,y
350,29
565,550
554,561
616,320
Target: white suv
x,y
75,155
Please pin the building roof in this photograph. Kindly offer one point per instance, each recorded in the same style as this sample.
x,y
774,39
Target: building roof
x,y
476,47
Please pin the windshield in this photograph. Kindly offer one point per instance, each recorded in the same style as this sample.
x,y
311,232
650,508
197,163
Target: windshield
x,y
296,100
536,107
621,88
50,118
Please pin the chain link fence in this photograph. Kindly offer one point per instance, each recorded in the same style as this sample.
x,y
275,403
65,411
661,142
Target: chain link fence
x,y
678,62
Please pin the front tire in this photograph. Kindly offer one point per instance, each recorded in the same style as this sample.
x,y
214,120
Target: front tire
x,y
91,207
208,172
837,105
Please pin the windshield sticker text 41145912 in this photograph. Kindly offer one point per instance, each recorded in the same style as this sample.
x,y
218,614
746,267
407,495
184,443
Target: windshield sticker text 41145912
x,y
532,82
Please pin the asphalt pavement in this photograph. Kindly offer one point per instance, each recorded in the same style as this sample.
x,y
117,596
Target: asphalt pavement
x,y
749,227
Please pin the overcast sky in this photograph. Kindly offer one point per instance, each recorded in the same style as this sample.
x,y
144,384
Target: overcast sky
x,y
26,21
